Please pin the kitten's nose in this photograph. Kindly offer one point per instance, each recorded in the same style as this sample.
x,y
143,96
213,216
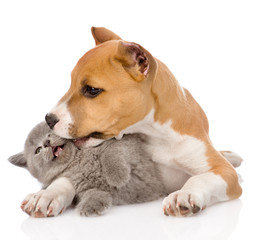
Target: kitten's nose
x,y
51,120
47,143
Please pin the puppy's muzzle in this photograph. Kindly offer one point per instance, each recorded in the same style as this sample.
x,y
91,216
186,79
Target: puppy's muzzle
x,y
51,120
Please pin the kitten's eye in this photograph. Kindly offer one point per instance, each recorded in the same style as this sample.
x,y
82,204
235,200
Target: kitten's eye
x,y
38,150
91,92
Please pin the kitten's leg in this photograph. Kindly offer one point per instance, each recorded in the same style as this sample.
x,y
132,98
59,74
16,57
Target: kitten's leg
x,y
94,202
51,201
115,168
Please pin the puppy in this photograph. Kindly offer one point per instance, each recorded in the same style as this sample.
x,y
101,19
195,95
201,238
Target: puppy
x,y
117,88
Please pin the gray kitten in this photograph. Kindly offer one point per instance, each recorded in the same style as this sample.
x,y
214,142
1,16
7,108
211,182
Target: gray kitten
x,y
113,173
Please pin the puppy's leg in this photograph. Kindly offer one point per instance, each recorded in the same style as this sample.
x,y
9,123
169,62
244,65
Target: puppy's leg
x,y
197,193
51,201
94,202
218,184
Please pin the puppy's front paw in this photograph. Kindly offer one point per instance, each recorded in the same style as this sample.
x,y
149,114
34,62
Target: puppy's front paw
x,y
182,203
94,202
43,204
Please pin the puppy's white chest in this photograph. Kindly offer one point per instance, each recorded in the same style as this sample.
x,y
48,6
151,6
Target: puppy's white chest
x,y
161,152
178,151
168,147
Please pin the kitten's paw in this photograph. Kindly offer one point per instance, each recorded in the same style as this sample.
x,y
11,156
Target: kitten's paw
x,y
44,203
94,202
94,208
182,203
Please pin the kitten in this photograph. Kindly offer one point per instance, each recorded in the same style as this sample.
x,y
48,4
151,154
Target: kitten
x,y
113,173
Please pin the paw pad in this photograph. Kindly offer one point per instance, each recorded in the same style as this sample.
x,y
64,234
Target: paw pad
x,y
181,203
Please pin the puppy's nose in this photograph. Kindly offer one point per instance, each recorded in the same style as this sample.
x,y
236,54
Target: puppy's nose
x,y
51,120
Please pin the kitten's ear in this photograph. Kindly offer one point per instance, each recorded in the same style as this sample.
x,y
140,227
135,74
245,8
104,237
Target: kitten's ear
x,y
18,160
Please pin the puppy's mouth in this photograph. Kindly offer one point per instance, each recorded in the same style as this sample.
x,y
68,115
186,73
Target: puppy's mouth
x,y
57,150
80,142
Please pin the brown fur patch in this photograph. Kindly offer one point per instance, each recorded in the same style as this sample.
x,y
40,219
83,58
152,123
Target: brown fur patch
x,y
102,35
170,103
188,118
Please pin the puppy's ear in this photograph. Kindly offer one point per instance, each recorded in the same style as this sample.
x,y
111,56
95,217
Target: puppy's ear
x,y
102,35
137,61
18,160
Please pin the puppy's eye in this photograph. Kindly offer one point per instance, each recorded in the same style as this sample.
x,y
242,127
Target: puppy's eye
x,y
91,92
38,150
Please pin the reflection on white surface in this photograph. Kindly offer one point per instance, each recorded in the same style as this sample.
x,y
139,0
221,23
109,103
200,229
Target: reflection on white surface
x,y
142,221
126,222
218,222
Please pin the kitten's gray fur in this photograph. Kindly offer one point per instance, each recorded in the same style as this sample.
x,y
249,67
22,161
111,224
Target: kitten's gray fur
x,y
115,172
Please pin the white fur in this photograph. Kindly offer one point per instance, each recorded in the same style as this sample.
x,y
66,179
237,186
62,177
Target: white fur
x,y
183,92
51,201
65,120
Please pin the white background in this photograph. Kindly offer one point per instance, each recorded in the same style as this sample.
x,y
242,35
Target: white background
x,y
208,45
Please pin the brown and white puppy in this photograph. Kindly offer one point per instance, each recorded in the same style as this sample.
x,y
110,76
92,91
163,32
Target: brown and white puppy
x,y
118,87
